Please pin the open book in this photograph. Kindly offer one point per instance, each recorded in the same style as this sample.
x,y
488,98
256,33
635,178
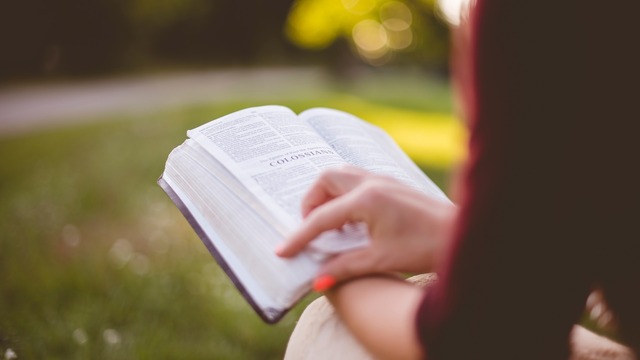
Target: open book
x,y
239,181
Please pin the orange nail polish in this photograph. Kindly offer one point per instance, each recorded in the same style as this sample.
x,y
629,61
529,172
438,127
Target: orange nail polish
x,y
323,283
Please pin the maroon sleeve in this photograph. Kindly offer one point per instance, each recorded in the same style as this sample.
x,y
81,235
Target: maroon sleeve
x,y
549,191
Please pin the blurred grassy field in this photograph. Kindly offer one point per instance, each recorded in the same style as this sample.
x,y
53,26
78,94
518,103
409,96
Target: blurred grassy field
x,y
95,261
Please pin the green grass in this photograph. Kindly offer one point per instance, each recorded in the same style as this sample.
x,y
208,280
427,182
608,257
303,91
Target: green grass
x,y
96,262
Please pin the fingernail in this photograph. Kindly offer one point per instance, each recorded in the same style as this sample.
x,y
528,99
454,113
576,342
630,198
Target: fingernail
x,y
323,283
278,249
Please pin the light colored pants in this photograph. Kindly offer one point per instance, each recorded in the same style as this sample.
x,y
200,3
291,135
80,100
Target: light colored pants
x,y
320,335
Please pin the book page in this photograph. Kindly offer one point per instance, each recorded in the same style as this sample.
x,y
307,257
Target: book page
x,y
277,157
272,154
244,238
369,147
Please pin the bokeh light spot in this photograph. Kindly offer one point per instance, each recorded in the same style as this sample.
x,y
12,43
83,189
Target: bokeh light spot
x,y
71,235
111,337
399,40
453,10
121,252
396,16
80,336
140,264
370,36
9,354
359,7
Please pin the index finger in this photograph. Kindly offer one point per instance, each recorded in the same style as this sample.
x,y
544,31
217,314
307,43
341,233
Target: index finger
x,y
331,184
331,215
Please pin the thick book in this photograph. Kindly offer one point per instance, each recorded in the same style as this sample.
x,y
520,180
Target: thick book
x,y
239,181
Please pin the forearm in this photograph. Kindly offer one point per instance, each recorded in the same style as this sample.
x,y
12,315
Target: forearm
x,y
380,312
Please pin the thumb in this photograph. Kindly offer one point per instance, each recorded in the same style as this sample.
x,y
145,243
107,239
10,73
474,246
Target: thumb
x,y
345,266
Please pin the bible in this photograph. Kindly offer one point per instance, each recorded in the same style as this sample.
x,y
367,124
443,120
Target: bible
x,y
239,181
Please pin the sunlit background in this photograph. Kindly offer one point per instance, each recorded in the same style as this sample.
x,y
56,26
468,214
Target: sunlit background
x,y
95,261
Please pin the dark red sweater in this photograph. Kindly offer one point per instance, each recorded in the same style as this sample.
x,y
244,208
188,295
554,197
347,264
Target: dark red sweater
x,y
551,190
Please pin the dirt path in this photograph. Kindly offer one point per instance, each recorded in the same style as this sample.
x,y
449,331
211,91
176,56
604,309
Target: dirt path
x,y
29,108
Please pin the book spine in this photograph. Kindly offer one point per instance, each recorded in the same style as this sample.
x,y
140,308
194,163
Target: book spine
x,y
268,315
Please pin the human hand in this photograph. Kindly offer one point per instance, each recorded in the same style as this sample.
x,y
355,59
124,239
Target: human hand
x,y
407,228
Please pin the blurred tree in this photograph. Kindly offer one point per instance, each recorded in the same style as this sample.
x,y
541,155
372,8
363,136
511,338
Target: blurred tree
x,y
68,37
79,37
379,31
90,36
63,36
22,41
225,32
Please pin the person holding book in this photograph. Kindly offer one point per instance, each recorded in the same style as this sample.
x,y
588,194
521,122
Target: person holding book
x,y
546,209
